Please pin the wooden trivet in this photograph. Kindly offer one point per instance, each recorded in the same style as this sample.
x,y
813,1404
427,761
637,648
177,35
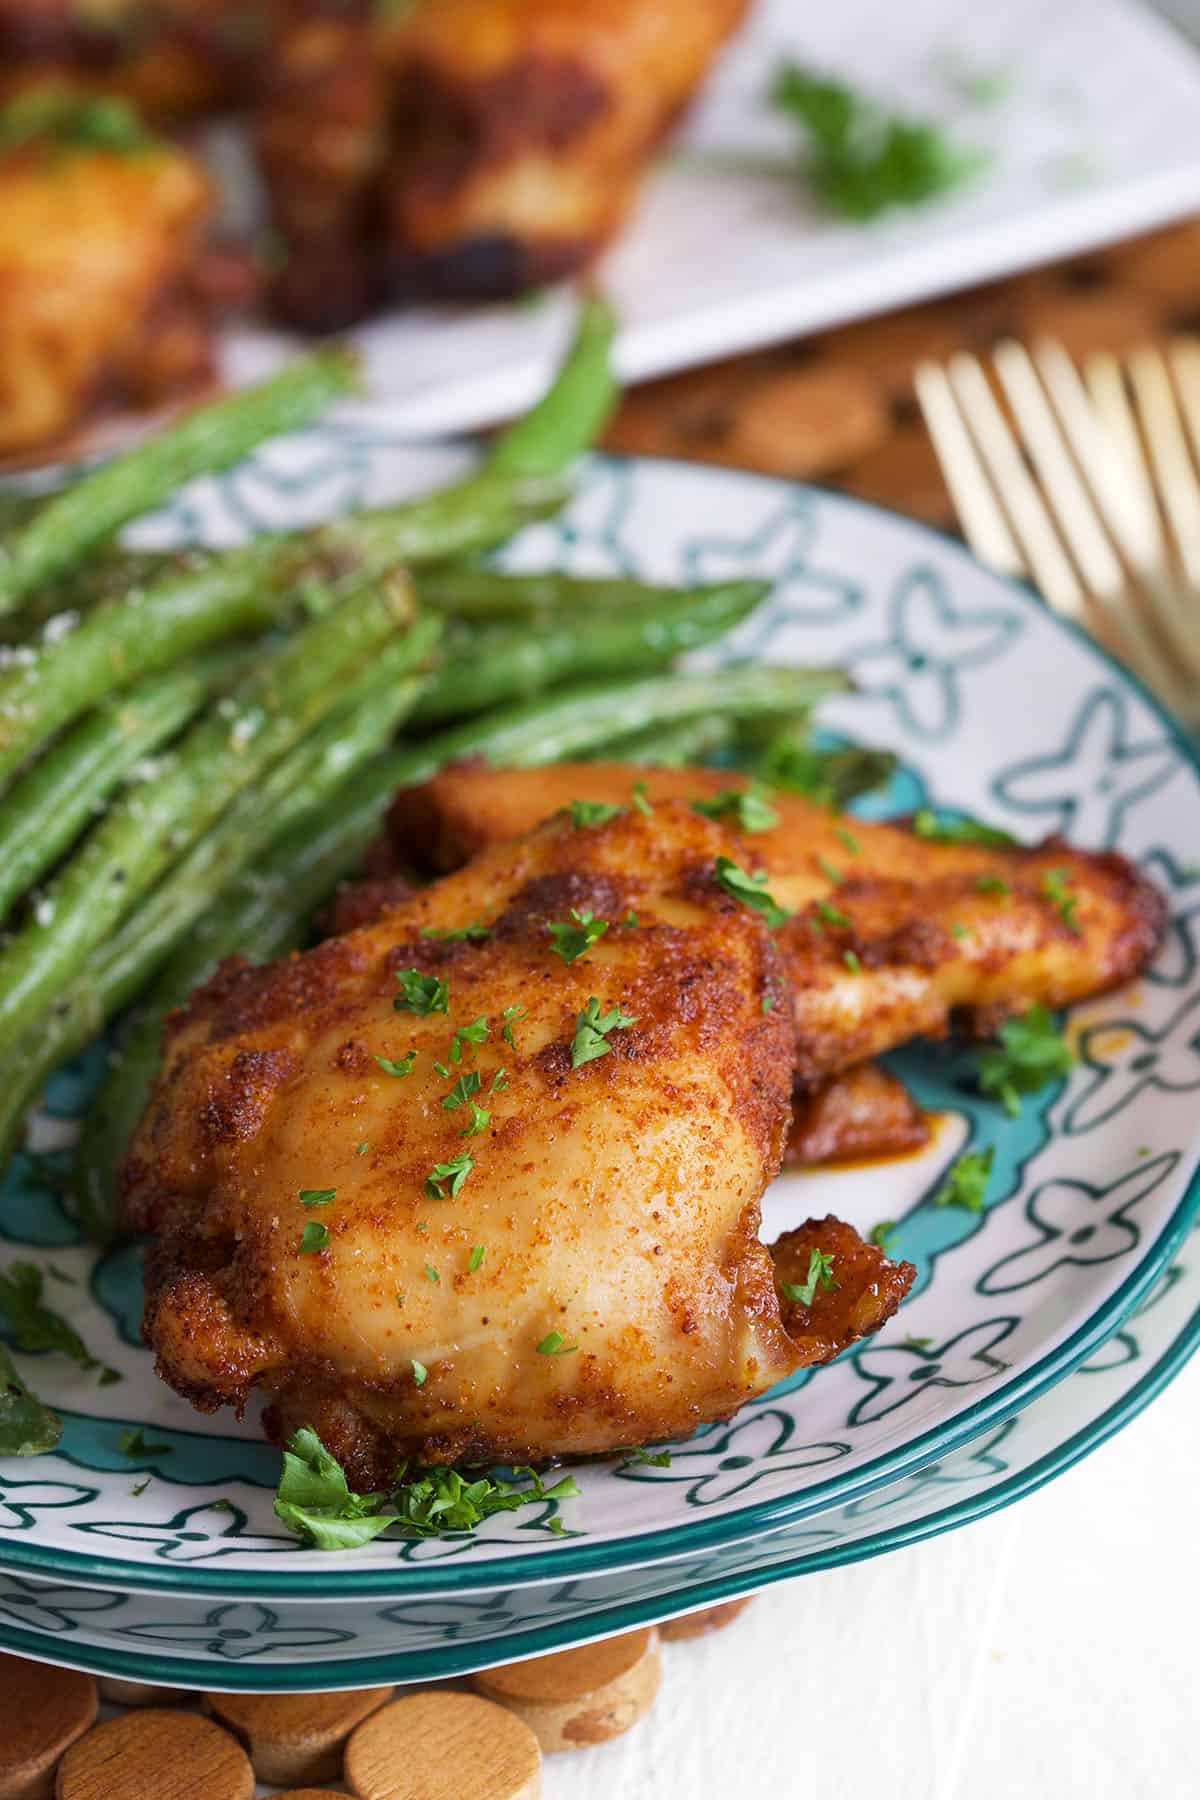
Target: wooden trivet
x,y
838,407
169,1755
45,1710
699,1624
295,1737
443,1746
580,1697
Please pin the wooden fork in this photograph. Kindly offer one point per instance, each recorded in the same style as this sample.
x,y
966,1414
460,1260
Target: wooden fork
x,y
1088,483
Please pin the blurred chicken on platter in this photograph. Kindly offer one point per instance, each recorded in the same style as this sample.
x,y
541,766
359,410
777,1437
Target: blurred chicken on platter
x,y
101,225
466,148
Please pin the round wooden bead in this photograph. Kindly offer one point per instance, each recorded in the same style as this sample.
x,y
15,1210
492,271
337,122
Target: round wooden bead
x,y
170,1755
295,1737
443,1746
580,1697
139,1693
45,1710
699,1624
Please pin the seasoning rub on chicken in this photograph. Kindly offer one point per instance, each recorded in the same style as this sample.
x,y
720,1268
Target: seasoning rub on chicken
x,y
481,1180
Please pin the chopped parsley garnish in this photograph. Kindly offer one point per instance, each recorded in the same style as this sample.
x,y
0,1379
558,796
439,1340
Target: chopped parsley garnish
x,y
499,1082
315,1501
440,1068
74,122
510,1016
641,1457
474,1033
631,918
638,796
362,1148
750,890
748,807
848,839
481,1118
960,931
592,1029
478,933
132,1442
883,1233
992,884
35,1326
139,1488
27,1428
820,1274
467,1084
966,1181
768,1001
431,1273
829,872
554,1344
592,812
314,1237
421,994
478,1252
829,777
1056,885
420,1373
317,1196
831,915
571,940
403,1067
963,830
454,1172
852,961
863,160
918,1343
1031,1052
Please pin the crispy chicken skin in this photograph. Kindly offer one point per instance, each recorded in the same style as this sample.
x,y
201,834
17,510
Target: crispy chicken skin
x,y
97,251
913,937
617,1203
468,149
859,1113
174,59
866,1287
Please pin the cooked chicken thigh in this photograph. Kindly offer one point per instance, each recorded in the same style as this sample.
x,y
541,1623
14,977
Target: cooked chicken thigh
x,y
890,936
532,1229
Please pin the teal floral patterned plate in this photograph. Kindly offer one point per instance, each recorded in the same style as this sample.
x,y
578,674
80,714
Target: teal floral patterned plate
x,y
995,708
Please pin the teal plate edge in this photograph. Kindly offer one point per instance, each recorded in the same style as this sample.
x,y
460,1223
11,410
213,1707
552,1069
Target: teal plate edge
x,y
446,1664
565,1560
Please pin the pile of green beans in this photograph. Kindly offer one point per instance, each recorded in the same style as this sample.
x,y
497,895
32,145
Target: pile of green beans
x,y
196,746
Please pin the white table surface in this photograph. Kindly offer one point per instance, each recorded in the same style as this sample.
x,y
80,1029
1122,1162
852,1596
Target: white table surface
x,y
1045,1653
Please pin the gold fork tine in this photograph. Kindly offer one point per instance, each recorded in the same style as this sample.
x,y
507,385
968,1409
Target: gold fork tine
x,y
1081,505
1162,433
1094,555
1047,560
1073,507
983,524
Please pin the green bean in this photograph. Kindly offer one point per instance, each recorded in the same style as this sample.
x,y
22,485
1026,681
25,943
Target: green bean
x,y
45,687
62,793
264,912
230,747
492,663
673,746
570,721
571,415
62,531
109,574
486,595
320,765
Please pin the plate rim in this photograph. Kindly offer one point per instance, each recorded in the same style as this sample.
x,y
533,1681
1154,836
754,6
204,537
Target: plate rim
x,y
566,1560
628,1615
